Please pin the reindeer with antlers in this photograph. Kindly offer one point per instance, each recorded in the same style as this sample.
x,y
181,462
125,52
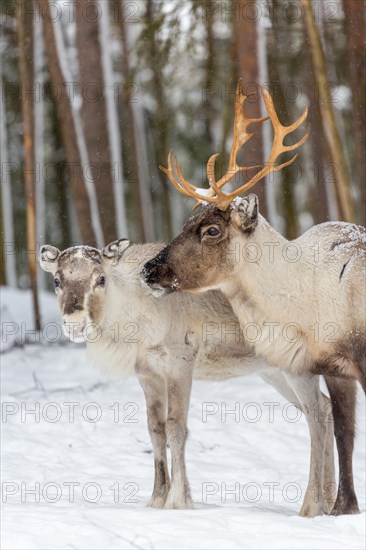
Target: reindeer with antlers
x,y
306,299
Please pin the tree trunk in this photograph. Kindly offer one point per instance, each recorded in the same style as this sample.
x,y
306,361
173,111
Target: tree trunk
x,y
279,78
78,184
332,134
25,34
355,39
248,70
273,215
160,116
8,252
39,146
140,219
3,251
323,193
113,124
94,112
207,107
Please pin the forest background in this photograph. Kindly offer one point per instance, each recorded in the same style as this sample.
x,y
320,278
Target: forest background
x,y
94,94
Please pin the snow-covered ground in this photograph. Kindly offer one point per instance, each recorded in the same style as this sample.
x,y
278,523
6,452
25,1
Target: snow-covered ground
x,y
77,472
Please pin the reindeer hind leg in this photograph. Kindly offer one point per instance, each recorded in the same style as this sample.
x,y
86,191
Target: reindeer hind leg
x,y
343,396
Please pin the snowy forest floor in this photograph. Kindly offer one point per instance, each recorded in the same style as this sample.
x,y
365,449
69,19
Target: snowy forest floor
x,y
78,472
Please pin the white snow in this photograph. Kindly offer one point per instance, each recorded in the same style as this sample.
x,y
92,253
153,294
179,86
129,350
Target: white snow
x,y
89,428
17,323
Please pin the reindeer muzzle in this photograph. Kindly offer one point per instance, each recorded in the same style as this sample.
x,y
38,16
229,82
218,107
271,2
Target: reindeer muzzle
x,y
159,277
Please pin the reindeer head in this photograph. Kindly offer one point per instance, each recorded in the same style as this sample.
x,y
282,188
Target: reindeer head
x,y
203,255
80,276
199,258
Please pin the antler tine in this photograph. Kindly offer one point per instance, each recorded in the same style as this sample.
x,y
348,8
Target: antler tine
x,y
210,168
300,142
297,122
170,173
182,185
182,180
284,164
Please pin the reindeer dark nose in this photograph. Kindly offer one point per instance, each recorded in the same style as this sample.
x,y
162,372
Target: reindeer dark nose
x,y
72,304
155,272
151,272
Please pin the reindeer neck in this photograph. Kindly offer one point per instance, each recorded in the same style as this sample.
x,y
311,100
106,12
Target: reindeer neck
x,y
265,277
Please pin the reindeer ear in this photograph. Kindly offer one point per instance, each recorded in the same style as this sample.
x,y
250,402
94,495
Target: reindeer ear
x,y
115,249
48,257
245,213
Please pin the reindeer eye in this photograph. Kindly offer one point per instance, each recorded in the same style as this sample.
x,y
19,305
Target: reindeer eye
x,y
212,232
56,282
101,281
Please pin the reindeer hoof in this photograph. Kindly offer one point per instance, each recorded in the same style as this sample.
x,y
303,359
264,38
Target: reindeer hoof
x,y
175,503
179,505
343,509
313,510
157,502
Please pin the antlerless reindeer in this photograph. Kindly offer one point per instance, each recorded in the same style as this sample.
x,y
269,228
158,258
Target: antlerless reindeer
x,y
163,342
305,298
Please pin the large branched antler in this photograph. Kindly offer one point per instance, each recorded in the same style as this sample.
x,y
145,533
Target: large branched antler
x,y
241,136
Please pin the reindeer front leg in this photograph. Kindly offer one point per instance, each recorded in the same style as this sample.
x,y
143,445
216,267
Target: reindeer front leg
x,y
179,390
155,391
